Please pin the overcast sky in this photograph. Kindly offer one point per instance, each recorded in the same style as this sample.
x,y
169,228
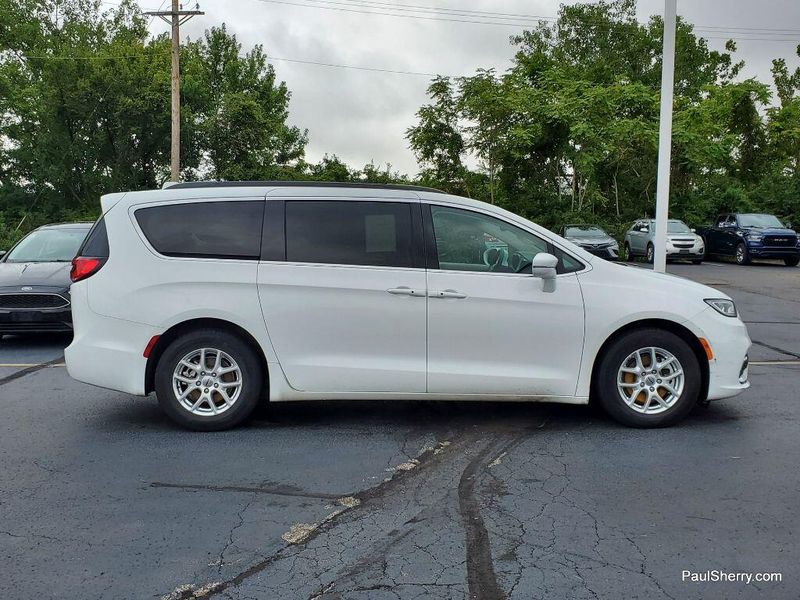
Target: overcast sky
x,y
362,115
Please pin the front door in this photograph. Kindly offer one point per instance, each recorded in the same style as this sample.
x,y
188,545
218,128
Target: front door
x,y
346,310
492,329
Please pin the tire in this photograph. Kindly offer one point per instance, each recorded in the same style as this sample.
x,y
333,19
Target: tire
x,y
792,262
651,253
742,255
233,353
629,257
641,410
698,261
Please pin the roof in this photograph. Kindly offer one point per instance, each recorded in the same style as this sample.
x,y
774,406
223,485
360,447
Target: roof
x,y
75,225
305,184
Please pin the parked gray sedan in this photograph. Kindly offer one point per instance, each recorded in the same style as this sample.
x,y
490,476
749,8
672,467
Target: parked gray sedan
x,y
682,242
592,239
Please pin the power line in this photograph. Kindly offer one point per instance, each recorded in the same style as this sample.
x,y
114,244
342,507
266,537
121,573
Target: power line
x,y
358,68
502,19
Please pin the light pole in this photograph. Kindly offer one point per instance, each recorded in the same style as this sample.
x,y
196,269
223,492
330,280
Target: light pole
x,y
665,136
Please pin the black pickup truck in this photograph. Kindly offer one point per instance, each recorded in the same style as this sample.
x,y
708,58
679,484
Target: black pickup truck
x,y
746,236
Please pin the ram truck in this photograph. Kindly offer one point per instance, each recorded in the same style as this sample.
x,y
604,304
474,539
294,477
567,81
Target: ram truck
x,y
748,236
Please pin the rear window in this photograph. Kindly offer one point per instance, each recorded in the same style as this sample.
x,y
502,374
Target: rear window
x,y
96,243
227,230
349,233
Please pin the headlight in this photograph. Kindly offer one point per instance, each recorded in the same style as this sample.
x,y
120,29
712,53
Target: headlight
x,y
615,244
754,237
723,306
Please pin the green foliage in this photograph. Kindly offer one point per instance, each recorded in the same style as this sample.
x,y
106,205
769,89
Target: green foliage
x,y
570,131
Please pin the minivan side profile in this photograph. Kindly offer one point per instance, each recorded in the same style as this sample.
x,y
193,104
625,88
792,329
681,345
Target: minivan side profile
x,y
220,295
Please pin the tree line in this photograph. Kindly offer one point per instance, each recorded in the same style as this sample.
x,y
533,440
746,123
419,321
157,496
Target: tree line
x,y
568,133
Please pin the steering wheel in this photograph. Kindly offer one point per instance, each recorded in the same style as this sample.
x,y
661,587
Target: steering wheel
x,y
492,258
519,263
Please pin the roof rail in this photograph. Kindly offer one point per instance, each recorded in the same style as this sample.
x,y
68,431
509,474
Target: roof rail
x,y
294,183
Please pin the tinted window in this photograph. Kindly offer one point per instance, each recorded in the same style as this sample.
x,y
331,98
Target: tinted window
x,y
349,233
205,229
96,243
48,245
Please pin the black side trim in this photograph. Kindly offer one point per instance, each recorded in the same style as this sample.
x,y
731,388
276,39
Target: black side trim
x,y
273,236
431,254
417,236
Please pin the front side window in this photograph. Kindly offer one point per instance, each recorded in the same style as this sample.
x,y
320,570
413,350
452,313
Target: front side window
x,y
227,230
48,245
470,241
349,233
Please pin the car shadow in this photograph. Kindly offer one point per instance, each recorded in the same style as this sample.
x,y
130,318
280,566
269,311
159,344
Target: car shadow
x,y
430,415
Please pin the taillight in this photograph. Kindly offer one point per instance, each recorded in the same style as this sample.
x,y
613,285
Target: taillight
x,y
83,267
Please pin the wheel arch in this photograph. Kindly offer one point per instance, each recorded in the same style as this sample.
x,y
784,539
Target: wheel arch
x,y
174,332
673,327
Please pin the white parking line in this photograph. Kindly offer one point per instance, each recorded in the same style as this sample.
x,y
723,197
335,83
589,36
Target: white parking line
x,y
759,363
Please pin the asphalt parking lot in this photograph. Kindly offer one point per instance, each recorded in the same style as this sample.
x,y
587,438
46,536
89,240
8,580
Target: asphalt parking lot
x,y
102,497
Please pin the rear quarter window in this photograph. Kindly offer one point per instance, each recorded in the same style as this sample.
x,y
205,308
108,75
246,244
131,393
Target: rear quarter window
x,y
96,243
225,230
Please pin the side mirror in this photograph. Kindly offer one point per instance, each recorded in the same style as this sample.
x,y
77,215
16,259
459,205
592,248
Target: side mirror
x,y
645,229
544,267
2,253
788,226
694,230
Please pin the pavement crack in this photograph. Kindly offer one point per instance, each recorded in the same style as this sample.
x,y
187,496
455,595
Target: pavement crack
x,y
776,348
481,578
29,370
280,490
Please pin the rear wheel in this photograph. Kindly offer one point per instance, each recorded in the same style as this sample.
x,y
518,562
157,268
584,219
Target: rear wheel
x,y
209,380
648,378
742,255
792,262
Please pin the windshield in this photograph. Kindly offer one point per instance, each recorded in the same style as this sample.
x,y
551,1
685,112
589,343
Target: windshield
x,y
759,221
584,231
678,227
48,245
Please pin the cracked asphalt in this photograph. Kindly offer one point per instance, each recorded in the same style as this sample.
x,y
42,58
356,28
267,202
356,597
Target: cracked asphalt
x,y
101,497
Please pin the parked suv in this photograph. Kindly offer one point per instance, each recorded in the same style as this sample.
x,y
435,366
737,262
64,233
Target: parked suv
x,y
746,236
682,242
220,295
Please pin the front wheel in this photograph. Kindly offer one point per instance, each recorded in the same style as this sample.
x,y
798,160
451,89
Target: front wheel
x,y
792,261
209,380
697,261
648,378
651,252
628,254
742,255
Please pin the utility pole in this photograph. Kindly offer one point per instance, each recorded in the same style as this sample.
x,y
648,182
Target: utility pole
x,y
665,136
175,18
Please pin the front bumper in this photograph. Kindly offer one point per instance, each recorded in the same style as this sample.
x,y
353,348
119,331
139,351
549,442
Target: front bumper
x,y
695,252
35,320
608,253
730,344
760,251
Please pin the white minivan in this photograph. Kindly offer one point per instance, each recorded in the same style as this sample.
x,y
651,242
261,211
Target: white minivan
x,y
219,295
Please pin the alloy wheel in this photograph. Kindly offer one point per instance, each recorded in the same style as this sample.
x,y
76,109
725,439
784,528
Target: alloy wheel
x,y
650,380
207,382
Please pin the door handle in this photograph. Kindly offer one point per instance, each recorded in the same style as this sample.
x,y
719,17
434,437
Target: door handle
x,y
446,294
405,291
